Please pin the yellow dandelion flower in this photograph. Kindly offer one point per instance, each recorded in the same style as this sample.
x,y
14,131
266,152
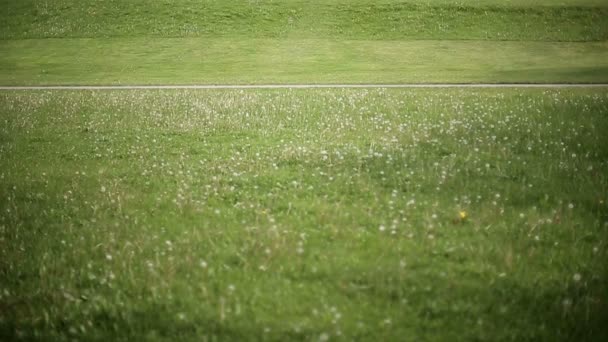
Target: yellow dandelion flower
x,y
462,214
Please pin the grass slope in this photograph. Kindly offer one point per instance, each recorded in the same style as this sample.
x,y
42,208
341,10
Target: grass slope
x,y
303,19
291,41
300,215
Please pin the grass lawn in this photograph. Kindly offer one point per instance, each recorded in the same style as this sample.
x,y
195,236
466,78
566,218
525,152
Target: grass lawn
x,y
320,214
292,41
304,215
249,61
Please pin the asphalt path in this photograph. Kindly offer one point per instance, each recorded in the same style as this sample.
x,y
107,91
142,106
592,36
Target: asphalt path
x,y
309,86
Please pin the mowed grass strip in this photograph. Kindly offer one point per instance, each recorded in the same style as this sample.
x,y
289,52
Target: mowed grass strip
x,y
304,215
386,20
251,61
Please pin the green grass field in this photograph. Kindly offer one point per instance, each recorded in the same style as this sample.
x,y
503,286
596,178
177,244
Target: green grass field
x,y
294,41
304,215
312,214
224,61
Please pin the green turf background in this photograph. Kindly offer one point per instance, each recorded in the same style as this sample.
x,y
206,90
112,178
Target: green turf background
x,y
187,41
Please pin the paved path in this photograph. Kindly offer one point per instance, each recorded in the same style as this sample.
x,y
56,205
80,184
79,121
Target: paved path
x,y
309,86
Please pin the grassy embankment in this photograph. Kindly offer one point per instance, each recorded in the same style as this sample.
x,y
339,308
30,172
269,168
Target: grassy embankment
x,y
186,41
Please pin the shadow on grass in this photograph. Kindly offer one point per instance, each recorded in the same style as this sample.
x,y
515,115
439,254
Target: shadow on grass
x,y
550,75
